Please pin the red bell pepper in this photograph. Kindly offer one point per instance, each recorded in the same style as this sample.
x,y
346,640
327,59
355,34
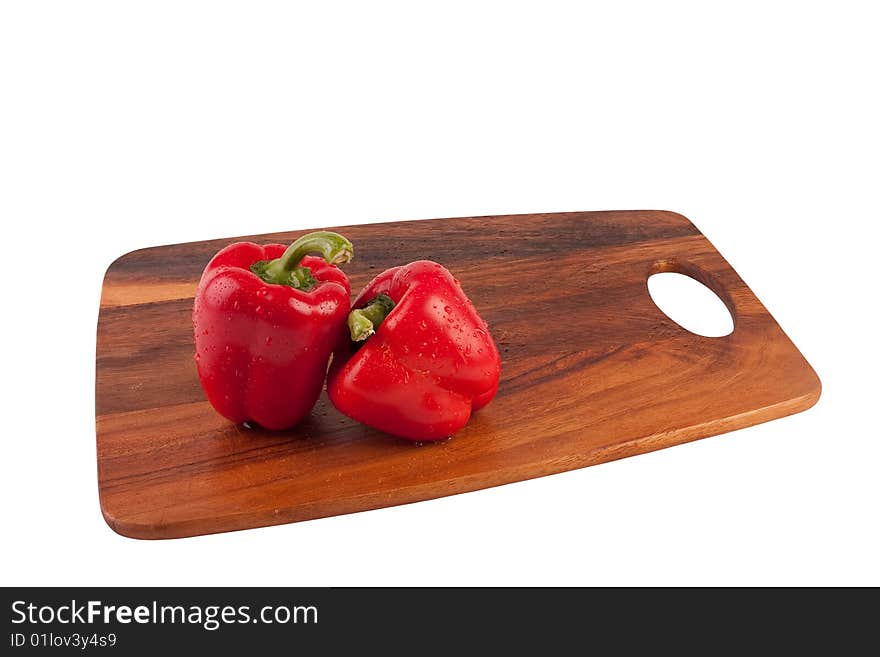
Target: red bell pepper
x,y
266,320
420,358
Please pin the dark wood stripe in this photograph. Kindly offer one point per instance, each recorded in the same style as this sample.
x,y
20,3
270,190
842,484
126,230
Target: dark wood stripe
x,y
465,241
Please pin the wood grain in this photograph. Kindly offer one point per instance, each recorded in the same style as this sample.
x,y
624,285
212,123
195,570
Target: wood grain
x,y
592,371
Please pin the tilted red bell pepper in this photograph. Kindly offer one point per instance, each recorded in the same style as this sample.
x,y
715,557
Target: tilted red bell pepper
x,y
420,358
266,320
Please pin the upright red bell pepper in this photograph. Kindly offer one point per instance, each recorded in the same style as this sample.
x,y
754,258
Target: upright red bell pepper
x,y
266,320
420,358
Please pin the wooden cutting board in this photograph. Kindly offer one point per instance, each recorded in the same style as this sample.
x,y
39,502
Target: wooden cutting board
x,y
592,371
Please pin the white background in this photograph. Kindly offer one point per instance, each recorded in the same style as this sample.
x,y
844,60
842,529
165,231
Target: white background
x,y
124,125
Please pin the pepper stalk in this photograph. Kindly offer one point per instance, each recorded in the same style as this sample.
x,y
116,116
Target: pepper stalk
x,y
363,322
286,270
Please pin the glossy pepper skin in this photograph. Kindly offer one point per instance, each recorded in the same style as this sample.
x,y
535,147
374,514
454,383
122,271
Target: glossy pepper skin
x,y
419,359
266,319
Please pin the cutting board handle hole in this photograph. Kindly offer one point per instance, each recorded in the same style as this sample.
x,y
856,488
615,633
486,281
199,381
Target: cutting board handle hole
x,y
689,302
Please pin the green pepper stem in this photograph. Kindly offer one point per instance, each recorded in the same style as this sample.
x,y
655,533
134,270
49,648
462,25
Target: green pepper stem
x,y
363,322
286,270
